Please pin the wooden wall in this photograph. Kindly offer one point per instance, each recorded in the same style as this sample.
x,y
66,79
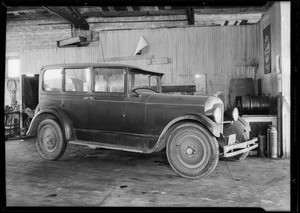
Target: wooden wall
x,y
285,77
269,81
31,60
222,53
277,82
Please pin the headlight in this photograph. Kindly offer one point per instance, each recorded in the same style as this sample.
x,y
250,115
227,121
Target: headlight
x,y
217,114
235,114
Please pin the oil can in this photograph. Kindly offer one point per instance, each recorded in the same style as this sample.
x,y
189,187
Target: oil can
x,y
261,145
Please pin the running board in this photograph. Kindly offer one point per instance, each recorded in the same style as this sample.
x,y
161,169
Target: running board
x,y
95,145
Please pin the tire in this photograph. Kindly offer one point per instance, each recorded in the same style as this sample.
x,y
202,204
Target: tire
x,y
242,135
192,151
242,156
50,142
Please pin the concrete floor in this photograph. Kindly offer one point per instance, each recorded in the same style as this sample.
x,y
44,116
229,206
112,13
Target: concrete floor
x,y
87,177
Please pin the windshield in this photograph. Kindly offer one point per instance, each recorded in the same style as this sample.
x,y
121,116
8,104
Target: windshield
x,y
138,80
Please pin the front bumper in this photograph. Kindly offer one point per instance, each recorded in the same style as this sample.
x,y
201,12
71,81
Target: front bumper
x,y
239,148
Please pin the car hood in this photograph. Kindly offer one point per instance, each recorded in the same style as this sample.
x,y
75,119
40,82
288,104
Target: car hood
x,y
185,100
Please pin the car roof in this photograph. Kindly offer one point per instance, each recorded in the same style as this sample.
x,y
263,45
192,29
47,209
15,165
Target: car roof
x,y
73,65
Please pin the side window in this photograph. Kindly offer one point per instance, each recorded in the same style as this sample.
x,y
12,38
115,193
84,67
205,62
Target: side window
x,y
109,80
77,80
52,80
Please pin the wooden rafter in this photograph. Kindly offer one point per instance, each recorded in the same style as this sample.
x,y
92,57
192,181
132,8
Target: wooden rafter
x,y
190,15
133,13
77,20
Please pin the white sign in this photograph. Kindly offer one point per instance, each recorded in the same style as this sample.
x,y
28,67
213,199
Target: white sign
x,y
231,139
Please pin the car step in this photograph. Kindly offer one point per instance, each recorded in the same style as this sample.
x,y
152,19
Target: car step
x,y
95,145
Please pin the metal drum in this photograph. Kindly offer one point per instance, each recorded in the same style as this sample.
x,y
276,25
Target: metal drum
x,y
254,105
246,105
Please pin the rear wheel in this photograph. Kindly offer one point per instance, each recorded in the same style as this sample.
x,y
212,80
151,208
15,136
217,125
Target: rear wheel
x,y
50,142
192,151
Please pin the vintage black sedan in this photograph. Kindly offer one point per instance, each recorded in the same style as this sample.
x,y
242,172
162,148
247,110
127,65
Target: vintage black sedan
x,y
122,107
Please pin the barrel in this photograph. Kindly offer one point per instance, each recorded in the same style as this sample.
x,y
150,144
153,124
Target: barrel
x,y
240,87
254,105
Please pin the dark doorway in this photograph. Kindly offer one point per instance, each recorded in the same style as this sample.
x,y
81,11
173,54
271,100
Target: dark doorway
x,y
30,97
30,91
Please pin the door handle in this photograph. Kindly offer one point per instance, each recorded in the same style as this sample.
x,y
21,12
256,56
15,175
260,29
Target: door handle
x,y
91,98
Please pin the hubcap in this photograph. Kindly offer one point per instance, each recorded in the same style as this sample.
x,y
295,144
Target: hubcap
x,y
49,138
191,151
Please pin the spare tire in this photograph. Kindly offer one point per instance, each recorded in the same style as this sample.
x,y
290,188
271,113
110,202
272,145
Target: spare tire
x,y
242,135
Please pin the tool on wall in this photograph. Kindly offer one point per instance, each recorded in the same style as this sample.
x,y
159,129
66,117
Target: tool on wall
x,y
12,113
12,88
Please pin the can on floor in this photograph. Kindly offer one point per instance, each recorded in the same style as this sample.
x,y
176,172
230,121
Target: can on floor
x,y
273,142
261,145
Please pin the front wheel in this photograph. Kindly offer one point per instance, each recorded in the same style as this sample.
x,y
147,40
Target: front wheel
x,y
50,142
192,151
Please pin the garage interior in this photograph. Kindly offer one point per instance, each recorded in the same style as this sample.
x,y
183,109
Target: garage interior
x,y
240,54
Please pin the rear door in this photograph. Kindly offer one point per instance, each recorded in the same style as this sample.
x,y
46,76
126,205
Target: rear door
x,y
50,88
76,98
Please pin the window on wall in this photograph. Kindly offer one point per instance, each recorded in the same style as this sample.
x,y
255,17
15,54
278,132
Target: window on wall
x,y
13,67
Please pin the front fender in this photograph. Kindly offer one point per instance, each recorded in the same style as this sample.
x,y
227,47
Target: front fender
x,y
199,118
56,113
240,128
245,123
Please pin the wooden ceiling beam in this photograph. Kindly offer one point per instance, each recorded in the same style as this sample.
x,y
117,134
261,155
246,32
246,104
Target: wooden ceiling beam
x,y
231,10
14,9
190,15
133,13
78,21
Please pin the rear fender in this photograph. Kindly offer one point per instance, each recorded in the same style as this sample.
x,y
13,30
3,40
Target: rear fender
x,y
199,118
54,113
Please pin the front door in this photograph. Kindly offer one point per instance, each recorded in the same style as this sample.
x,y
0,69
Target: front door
x,y
107,106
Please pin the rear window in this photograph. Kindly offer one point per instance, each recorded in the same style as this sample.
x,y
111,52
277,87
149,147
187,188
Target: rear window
x,y
52,80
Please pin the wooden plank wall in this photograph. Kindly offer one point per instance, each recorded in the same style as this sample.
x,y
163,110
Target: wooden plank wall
x,y
222,53
272,18
277,82
31,60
